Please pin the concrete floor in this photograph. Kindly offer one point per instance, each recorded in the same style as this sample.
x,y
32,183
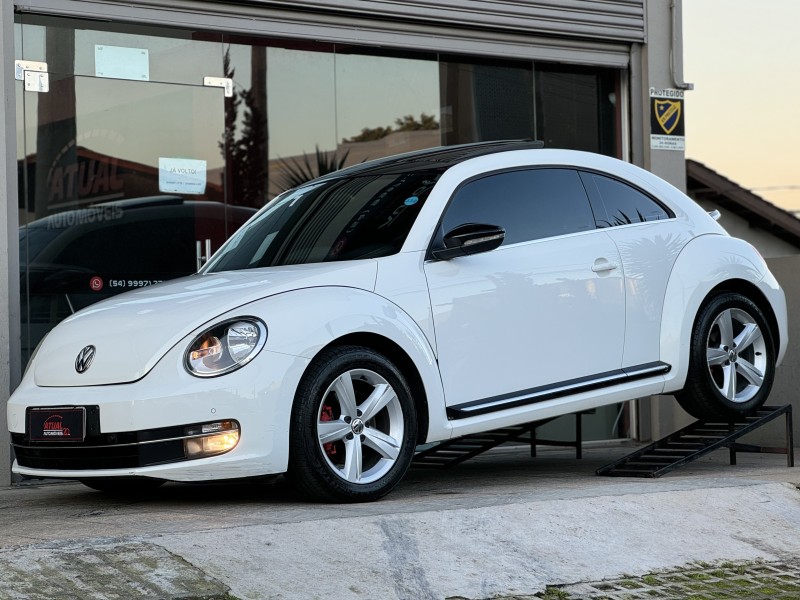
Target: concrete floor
x,y
502,524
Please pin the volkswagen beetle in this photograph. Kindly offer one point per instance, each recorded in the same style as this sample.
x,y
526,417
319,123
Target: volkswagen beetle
x,y
404,301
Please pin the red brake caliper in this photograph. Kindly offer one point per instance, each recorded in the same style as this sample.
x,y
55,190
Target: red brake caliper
x,y
326,414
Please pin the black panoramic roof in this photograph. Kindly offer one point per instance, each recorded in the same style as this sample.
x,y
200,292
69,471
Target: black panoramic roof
x,y
433,159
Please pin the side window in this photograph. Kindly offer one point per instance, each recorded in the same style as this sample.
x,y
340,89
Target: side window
x,y
529,204
623,203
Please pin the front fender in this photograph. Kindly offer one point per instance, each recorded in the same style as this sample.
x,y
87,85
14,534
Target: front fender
x,y
302,322
704,263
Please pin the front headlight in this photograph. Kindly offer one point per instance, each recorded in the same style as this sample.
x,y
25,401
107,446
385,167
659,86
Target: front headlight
x,y
225,347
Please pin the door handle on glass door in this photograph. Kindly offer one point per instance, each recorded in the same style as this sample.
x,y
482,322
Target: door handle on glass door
x,y
203,259
601,265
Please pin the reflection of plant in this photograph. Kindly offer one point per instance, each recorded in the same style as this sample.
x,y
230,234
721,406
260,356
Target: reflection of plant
x,y
369,134
624,219
245,154
409,123
298,171
406,123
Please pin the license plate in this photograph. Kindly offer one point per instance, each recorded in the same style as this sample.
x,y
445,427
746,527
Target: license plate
x,y
57,424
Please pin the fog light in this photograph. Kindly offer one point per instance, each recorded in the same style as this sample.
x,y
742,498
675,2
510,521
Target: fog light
x,y
211,439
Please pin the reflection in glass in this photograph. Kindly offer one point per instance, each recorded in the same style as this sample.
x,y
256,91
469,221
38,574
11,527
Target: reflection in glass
x,y
95,215
484,101
174,55
576,108
385,104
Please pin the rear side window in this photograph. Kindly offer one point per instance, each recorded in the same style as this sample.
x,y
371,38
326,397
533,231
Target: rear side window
x,y
623,204
529,204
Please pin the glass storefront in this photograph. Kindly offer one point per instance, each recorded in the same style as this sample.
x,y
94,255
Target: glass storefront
x,y
132,170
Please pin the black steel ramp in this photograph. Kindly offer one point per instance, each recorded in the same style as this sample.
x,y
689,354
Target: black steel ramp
x,y
699,439
450,453
456,451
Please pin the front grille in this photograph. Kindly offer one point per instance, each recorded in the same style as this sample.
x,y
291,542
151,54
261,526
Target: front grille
x,y
123,450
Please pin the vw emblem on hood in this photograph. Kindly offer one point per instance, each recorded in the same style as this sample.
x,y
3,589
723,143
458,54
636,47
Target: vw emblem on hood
x,y
85,358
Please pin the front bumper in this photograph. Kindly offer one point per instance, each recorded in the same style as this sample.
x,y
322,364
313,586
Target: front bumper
x,y
123,450
139,428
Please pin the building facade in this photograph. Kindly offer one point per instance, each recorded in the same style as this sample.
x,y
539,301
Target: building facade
x,y
138,136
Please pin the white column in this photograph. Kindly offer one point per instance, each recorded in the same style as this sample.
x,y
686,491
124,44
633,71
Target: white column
x,y
660,56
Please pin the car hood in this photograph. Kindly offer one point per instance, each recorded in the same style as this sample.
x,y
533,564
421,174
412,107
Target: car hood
x,y
131,332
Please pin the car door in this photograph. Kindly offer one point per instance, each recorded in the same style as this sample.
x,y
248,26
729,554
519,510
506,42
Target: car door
x,y
544,309
649,239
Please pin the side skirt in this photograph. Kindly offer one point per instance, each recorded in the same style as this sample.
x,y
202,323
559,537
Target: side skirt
x,y
556,390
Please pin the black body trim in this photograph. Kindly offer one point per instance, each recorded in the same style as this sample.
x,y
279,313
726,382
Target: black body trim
x,y
556,390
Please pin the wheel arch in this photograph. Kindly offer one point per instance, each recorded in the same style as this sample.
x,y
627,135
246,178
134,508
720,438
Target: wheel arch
x,y
403,361
708,265
334,316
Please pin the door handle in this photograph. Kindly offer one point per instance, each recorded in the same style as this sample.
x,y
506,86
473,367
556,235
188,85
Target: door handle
x,y
601,265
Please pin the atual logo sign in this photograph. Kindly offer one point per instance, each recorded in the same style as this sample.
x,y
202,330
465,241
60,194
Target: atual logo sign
x,y
54,427
85,358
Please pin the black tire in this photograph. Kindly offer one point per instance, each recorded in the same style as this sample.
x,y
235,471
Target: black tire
x,y
123,486
320,470
702,396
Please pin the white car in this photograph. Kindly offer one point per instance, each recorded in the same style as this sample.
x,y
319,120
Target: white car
x,y
407,300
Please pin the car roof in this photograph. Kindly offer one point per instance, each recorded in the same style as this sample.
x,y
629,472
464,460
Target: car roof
x,y
432,159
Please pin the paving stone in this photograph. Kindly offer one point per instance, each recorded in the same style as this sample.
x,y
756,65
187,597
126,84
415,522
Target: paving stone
x,y
108,571
753,581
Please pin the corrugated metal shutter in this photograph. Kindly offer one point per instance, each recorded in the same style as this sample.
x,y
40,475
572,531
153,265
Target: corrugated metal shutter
x,y
599,19
595,32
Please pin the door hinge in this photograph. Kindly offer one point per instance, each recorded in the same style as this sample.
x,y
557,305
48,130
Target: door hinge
x,y
34,74
223,82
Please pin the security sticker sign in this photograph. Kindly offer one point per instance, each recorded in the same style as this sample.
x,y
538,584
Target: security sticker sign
x,y
666,119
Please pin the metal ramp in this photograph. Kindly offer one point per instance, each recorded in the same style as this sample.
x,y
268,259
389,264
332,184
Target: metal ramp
x,y
698,439
453,452
456,451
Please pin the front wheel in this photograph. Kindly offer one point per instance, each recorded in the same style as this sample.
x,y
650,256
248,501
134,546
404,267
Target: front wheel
x,y
732,359
353,429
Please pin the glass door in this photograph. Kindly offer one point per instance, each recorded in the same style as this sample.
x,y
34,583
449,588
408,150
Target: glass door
x,y
122,177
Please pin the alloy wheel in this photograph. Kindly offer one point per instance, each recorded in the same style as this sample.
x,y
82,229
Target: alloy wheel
x,y
360,426
736,355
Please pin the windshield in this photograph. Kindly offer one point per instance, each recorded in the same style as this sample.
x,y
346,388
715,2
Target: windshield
x,y
365,216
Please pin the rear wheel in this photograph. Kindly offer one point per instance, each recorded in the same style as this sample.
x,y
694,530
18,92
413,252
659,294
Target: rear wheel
x,y
353,429
732,359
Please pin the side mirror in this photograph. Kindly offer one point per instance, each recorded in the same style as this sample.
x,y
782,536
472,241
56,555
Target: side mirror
x,y
470,238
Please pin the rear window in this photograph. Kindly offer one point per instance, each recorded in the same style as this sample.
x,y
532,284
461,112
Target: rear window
x,y
624,204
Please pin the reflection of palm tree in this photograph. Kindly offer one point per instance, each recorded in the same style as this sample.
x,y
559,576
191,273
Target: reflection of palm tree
x,y
246,153
56,119
643,257
299,171
622,219
641,254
